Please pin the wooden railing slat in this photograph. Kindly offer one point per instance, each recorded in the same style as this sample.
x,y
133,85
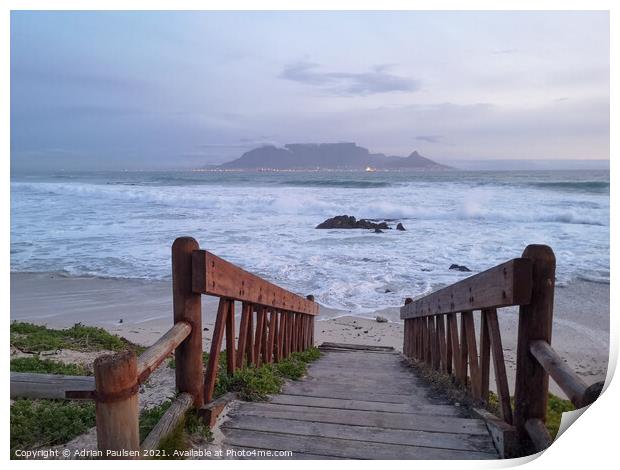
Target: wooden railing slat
x,y
509,283
472,353
243,333
230,338
485,357
211,275
499,366
216,346
464,353
250,337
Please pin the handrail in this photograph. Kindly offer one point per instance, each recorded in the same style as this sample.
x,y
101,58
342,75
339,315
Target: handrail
x,y
284,325
504,285
440,344
212,275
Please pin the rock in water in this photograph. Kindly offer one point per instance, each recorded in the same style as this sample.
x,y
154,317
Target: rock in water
x,y
348,221
457,267
381,319
400,227
378,230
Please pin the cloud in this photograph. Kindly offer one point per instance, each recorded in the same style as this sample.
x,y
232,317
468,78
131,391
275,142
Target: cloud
x,y
376,80
505,51
432,139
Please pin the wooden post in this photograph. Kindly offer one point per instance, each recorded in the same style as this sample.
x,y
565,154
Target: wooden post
x,y
116,384
535,323
187,307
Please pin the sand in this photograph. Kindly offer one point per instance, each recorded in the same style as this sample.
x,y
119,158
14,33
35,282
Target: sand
x,y
141,311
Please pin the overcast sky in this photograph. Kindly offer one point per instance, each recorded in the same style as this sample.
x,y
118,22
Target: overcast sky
x,y
183,89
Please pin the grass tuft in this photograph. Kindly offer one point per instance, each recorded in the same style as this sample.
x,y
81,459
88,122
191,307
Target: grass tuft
x,y
46,366
33,338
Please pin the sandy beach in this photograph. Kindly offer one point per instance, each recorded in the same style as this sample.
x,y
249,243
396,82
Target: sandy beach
x,y
141,311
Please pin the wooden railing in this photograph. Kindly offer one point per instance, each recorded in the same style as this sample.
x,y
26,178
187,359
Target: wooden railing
x,y
527,282
284,323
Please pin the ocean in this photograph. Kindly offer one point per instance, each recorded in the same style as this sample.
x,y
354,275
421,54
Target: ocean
x,y
122,224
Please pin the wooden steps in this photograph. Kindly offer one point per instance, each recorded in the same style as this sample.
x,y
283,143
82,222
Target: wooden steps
x,y
358,403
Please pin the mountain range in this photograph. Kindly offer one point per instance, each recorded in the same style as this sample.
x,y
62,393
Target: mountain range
x,y
347,155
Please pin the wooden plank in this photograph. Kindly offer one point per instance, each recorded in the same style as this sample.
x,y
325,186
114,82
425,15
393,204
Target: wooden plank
x,y
356,347
187,307
472,354
168,422
509,283
570,383
535,323
365,418
485,357
343,448
246,313
346,391
499,366
363,405
31,385
230,338
212,275
216,346
153,356
364,434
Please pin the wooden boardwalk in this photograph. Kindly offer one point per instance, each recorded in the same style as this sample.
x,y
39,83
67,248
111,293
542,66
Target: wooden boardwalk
x,y
358,403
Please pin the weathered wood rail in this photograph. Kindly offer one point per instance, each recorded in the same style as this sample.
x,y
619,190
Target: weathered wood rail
x,y
274,324
433,336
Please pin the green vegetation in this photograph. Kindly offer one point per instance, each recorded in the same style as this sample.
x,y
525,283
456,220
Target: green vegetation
x,y
38,423
555,407
32,338
46,366
254,384
190,426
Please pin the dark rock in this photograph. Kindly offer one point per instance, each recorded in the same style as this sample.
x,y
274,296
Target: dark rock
x,y
387,291
400,227
120,321
457,267
381,319
348,221
378,230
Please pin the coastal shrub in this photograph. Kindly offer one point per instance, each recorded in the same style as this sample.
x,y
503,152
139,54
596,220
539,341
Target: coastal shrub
x,y
46,366
36,338
38,423
254,384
